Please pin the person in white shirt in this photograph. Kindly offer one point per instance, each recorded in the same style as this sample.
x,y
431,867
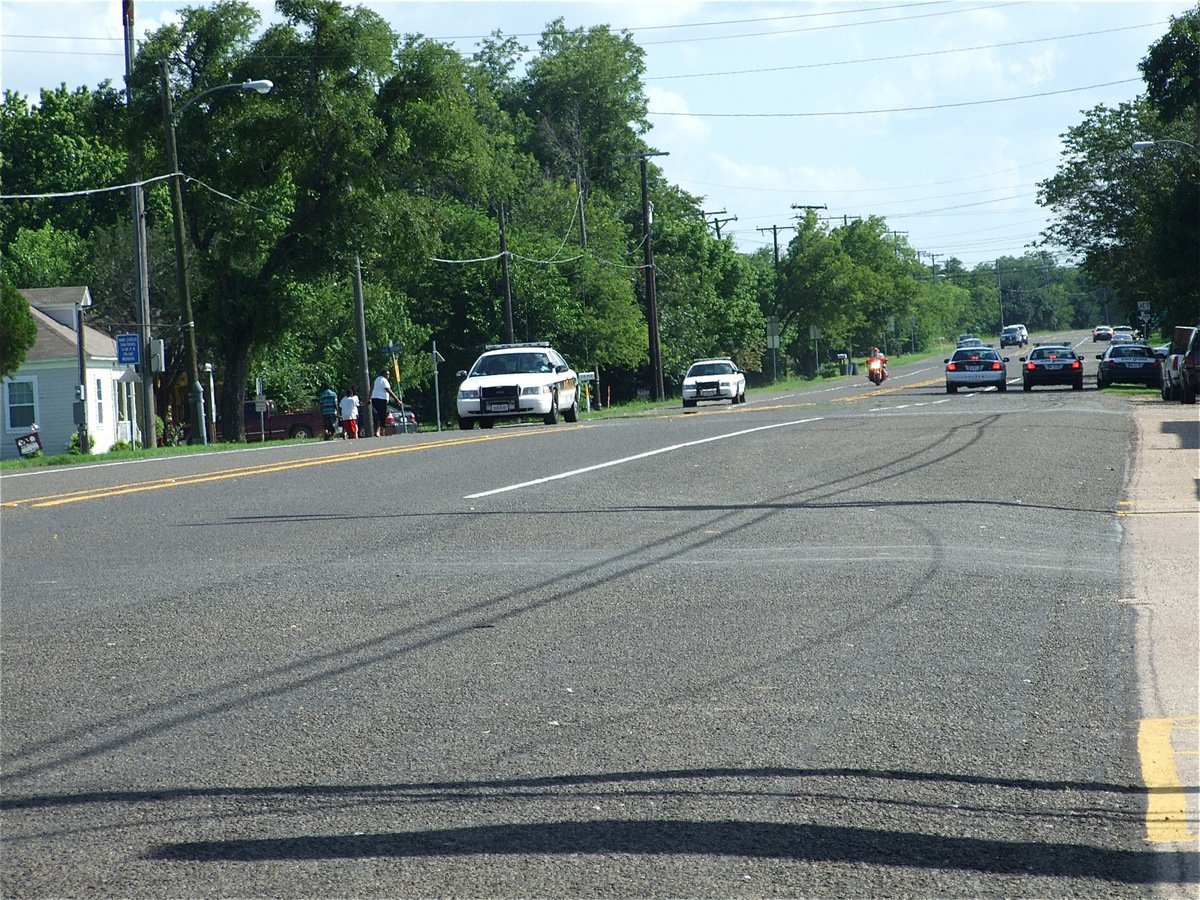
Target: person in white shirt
x,y
380,391
349,411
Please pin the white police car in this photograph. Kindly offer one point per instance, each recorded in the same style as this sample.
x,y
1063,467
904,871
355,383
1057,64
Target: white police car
x,y
714,379
510,381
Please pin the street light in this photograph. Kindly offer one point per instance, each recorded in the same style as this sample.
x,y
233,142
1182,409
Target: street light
x,y
1146,145
170,117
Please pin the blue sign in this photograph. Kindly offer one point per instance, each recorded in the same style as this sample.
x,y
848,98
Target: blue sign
x,y
129,350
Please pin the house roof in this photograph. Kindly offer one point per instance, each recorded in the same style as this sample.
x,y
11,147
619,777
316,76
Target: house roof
x,y
55,340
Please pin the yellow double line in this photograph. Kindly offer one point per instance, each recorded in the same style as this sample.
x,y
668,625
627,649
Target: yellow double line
x,y
159,484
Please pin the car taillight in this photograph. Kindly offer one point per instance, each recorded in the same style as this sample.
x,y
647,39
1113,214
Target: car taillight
x,y
951,367
1029,367
996,366
1076,364
1110,364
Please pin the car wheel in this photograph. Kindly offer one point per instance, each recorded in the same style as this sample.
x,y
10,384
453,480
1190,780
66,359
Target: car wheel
x,y
1002,386
487,423
1027,387
1078,385
1187,394
571,413
551,418
952,389
301,431
466,424
688,404
1100,384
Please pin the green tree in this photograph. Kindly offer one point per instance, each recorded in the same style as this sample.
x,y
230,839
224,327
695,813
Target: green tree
x,y
17,328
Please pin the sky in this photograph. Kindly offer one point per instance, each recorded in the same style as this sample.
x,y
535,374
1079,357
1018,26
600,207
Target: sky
x,y
940,117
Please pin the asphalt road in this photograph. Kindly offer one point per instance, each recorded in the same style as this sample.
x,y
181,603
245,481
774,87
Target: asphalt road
x,y
845,642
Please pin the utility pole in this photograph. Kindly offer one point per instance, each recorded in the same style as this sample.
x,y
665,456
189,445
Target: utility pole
x,y
895,242
651,298
774,229
717,223
579,193
195,388
141,270
364,371
508,320
813,329
934,257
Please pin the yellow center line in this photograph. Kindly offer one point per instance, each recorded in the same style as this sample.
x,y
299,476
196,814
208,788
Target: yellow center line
x,y
879,392
1166,801
245,472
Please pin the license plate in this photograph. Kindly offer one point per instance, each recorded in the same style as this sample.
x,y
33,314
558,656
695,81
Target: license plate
x,y
1134,365
499,407
708,392
975,368
1054,367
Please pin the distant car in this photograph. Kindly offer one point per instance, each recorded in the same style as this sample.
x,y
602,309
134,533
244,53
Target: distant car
x,y
396,420
1052,364
976,367
512,381
1128,363
1162,351
1024,331
1102,333
1121,337
966,340
1012,336
718,378
1127,330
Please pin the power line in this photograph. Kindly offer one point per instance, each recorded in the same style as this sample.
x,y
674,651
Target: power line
x,y
900,56
896,109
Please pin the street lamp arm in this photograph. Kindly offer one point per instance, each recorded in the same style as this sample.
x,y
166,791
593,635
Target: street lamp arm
x,y
1146,145
262,86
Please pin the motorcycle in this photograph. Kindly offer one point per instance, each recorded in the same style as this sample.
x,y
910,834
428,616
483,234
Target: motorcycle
x,y
877,369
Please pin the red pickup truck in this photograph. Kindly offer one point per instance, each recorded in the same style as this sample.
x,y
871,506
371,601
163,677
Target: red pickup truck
x,y
277,425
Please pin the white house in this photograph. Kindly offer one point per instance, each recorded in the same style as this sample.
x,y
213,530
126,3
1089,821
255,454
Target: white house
x,y
43,391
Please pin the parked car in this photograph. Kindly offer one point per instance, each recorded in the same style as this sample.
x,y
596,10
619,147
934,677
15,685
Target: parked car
x,y
1189,362
1172,365
1012,336
976,367
1128,363
277,425
1052,364
1102,333
512,381
714,379
396,420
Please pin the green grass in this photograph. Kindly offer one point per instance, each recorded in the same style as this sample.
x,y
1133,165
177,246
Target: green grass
x,y
75,459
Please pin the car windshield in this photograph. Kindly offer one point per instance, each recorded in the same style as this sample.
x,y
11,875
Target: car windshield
x,y
1129,350
512,364
1052,353
700,369
976,353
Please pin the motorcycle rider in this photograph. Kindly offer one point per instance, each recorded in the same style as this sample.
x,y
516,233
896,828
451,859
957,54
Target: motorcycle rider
x,y
877,354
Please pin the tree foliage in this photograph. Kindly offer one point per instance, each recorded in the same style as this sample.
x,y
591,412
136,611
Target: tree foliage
x,y
17,328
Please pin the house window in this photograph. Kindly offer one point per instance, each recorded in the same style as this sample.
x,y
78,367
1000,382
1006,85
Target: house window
x,y
99,401
20,404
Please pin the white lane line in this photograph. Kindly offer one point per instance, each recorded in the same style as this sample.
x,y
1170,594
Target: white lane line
x,y
637,456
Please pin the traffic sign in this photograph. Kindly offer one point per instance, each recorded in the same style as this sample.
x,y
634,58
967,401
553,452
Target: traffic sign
x,y
129,350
